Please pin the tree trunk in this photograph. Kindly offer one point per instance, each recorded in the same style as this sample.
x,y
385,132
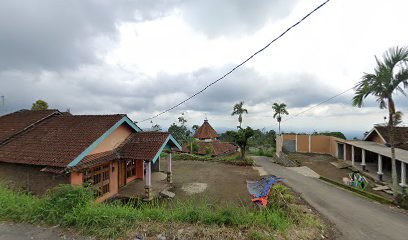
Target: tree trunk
x,y
391,110
243,149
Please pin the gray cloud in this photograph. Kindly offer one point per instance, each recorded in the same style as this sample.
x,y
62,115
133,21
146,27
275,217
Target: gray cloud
x,y
104,89
233,17
59,34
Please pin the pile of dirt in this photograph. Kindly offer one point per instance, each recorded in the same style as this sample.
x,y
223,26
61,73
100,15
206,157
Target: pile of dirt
x,y
284,160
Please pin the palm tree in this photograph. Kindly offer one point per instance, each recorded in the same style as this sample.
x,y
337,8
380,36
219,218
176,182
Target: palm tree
x,y
390,76
239,110
280,109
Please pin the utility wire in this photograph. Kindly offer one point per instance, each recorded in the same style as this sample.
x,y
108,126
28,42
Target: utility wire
x,y
325,101
239,65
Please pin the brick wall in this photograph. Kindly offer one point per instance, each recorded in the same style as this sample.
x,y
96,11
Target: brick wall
x,y
30,178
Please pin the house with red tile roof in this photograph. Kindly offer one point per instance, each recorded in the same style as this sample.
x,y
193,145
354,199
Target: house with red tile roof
x,y
208,142
42,149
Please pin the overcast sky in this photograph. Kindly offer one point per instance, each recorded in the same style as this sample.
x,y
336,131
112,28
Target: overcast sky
x,y
140,57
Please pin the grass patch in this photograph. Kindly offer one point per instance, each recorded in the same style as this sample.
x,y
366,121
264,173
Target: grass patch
x,y
262,151
234,159
75,207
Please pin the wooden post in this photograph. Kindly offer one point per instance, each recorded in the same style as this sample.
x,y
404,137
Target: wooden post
x,y
380,172
310,143
169,173
352,156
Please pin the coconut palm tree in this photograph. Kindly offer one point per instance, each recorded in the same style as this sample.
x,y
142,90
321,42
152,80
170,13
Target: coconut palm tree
x,y
239,110
280,109
390,76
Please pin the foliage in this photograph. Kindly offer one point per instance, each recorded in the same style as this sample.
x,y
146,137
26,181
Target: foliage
x,y
241,138
117,219
262,151
333,134
180,133
39,105
193,146
227,136
239,110
263,138
234,159
279,109
195,127
208,150
390,76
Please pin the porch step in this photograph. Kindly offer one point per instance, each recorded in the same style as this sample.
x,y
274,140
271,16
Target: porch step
x,y
381,188
167,194
340,164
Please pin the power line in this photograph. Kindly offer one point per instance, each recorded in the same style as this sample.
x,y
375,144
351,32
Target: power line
x,y
239,65
325,101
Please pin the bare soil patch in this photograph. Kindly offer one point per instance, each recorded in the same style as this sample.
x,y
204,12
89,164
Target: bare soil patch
x,y
224,183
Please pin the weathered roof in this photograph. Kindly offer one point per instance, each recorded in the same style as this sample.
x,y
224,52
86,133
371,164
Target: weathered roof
x,y
206,131
14,123
56,141
400,154
146,145
217,148
400,134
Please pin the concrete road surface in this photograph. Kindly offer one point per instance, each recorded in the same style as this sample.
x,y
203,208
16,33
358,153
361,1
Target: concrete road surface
x,y
354,216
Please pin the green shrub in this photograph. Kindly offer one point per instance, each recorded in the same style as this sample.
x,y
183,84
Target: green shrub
x,y
62,200
74,206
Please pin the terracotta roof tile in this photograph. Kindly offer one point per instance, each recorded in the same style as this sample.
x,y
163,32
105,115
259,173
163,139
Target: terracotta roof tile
x,y
400,133
206,131
143,145
217,148
58,140
97,159
16,122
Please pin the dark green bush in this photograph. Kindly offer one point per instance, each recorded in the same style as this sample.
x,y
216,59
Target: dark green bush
x,y
62,200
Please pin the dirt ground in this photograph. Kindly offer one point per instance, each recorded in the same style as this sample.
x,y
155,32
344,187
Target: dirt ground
x,y
320,163
212,181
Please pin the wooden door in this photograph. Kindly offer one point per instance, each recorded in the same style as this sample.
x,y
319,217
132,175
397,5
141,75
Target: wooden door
x,y
122,174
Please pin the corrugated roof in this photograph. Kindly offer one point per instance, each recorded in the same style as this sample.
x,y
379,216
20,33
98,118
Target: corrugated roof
x,y
206,131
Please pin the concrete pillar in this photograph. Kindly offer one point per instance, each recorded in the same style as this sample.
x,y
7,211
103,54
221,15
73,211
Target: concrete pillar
x,y
344,151
169,173
380,168
310,143
148,186
352,156
296,141
403,175
363,160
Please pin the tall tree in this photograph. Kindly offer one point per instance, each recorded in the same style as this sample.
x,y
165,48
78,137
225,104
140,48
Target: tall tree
x,y
390,76
241,138
239,110
280,109
39,105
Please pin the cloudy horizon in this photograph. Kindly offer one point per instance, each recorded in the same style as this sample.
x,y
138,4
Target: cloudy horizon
x,y
142,57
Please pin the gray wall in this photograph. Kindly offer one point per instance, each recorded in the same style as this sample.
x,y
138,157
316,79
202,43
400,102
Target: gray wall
x,y
29,178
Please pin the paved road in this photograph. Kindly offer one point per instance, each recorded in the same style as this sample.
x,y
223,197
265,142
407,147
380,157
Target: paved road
x,y
24,231
355,217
